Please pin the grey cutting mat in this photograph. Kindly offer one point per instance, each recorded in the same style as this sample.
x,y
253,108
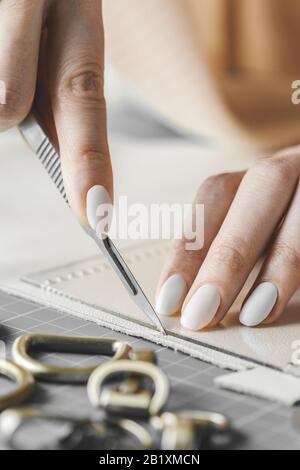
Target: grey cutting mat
x,y
261,424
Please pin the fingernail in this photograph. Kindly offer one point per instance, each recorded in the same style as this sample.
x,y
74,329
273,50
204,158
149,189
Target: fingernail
x,y
202,308
98,208
171,295
259,305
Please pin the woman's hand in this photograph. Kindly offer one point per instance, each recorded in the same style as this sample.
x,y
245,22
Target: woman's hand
x,y
246,215
53,50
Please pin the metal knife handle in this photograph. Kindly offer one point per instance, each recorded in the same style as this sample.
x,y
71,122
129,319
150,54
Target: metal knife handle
x,y
44,149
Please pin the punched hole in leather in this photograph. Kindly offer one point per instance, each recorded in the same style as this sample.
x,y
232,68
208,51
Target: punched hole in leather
x,y
26,345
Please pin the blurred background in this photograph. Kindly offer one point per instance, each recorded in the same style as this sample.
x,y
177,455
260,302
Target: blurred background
x,y
193,88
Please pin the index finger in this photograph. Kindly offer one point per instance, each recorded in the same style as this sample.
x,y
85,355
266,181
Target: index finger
x,y
76,45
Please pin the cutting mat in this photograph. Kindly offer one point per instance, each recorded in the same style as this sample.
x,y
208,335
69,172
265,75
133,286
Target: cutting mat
x,y
260,424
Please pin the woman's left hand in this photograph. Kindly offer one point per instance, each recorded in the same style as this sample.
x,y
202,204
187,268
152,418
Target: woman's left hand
x,y
246,215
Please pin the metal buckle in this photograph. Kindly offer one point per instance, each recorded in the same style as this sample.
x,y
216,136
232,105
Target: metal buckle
x,y
55,343
141,437
80,431
133,384
23,378
217,421
141,402
185,430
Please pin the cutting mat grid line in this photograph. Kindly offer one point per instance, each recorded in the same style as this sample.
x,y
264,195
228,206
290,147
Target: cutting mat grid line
x,y
261,424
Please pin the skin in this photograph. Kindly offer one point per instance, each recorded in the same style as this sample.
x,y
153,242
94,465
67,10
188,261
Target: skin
x,y
248,215
52,58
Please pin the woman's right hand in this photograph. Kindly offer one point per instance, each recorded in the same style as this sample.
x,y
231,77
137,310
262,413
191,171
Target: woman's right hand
x,y
53,51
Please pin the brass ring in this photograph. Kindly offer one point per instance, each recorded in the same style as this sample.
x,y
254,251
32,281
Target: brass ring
x,y
23,379
56,343
132,428
12,419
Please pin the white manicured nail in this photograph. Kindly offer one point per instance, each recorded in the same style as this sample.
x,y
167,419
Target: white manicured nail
x,y
202,308
171,295
259,305
98,208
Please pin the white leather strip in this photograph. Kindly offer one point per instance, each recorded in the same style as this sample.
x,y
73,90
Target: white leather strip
x,y
103,318
263,382
92,284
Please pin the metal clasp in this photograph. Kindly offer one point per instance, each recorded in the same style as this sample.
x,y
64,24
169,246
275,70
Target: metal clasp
x,y
24,345
186,430
23,378
143,402
78,434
